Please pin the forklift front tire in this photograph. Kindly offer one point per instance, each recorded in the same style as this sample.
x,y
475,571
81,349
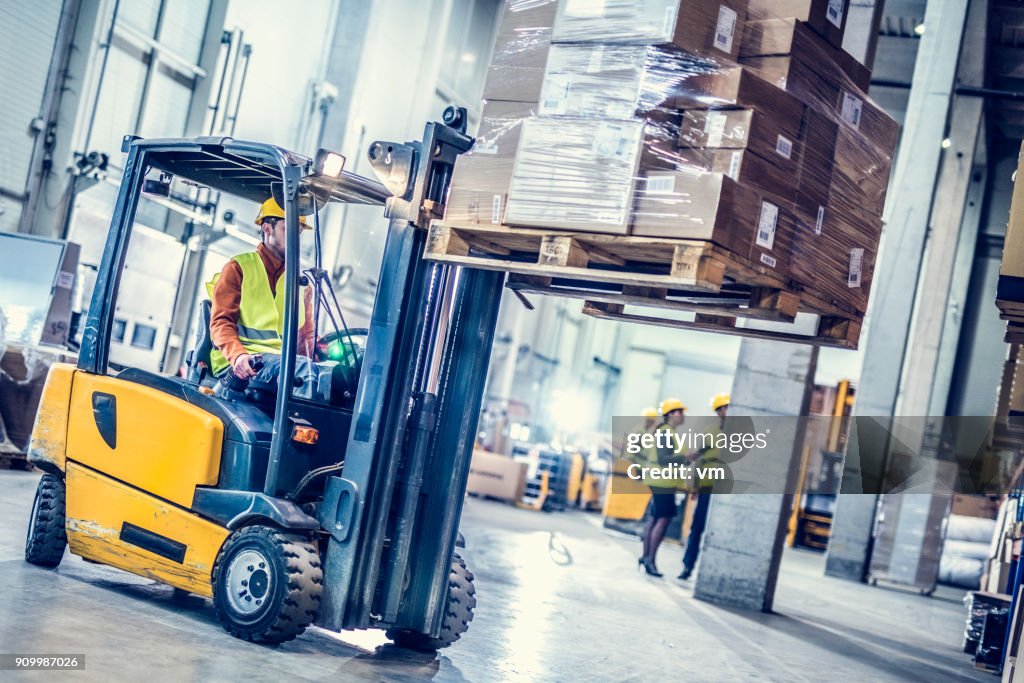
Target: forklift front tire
x,y
458,613
267,584
46,538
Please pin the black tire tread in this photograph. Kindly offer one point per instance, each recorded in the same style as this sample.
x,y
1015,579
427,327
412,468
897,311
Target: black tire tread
x,y
46,543
304,586
458,613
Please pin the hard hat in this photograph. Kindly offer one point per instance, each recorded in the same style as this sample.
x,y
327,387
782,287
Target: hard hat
x,y
271,209
650,412
719,400
670,404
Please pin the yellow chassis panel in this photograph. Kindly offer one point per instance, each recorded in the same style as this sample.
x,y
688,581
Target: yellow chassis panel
x,y
98,507
50,431
164,445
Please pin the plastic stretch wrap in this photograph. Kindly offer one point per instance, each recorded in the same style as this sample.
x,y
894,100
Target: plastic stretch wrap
x,y
634,122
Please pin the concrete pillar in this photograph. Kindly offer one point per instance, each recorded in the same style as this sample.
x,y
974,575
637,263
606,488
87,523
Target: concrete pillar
x,y
898,271
742,545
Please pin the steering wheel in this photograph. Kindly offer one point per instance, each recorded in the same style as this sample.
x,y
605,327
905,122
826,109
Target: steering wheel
x,y
346,348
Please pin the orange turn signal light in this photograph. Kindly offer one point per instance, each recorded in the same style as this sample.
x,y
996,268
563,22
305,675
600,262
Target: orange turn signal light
x,y
303,434
206,390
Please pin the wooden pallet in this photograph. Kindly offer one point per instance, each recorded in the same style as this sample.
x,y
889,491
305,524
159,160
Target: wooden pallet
x,y
620,259
837,332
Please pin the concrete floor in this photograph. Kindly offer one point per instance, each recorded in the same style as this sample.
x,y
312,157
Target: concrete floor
x,y
559,599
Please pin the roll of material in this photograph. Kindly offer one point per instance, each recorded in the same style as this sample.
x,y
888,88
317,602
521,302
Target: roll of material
x,y
974,529
964,572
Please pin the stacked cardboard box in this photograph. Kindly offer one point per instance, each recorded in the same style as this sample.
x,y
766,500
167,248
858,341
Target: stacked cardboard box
x,y
637,119
848,145
1010,290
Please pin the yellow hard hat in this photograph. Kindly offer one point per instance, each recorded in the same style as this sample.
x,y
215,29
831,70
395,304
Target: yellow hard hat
x,y
650,412
719,400
271,209
670,404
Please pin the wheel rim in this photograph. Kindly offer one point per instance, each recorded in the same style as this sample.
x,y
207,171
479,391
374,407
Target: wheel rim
x,y
250,582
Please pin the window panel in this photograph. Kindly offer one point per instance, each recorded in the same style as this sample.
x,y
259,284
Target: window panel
x,y
167,105
140,14
118,106
183,26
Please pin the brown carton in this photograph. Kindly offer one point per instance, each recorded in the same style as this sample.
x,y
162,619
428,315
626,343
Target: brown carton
x,y
834,255
521,51
742,129
688,204
480,181
579,174
711,28
743,166
731,87
496,476
1011,269
827,17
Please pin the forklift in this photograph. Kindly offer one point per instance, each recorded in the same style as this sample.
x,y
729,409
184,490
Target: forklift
x,y
333,501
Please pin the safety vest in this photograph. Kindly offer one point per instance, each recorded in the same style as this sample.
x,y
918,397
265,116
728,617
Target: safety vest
x,y
658,458
260,311
707,459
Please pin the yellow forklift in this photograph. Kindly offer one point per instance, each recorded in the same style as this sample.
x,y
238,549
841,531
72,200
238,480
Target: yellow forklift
x,y
333,500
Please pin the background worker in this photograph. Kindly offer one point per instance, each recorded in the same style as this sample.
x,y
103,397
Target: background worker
x,y
663,496
247,312
720,404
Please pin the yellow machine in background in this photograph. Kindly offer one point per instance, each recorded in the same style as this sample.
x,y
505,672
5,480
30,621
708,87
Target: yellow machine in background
x,y
625,499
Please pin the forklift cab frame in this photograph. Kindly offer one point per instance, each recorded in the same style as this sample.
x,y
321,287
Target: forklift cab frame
x,y
384,527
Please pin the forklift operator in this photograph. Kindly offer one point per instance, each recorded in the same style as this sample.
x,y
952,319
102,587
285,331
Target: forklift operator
x,y
247,309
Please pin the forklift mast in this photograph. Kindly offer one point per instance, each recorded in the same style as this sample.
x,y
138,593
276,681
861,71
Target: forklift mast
x,y
394,512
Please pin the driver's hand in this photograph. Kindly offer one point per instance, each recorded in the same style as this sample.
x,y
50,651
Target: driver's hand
x,y
242,368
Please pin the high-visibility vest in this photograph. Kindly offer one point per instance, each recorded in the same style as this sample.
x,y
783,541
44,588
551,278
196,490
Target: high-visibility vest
x,y
707,459
660,458
260,311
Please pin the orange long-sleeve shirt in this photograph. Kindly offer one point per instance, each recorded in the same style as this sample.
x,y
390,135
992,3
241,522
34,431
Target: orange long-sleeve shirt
x,y
227,296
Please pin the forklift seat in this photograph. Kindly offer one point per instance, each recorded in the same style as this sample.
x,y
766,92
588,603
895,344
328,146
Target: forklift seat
x,y
198,359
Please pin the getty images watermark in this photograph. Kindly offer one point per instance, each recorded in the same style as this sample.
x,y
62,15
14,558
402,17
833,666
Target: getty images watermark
x,y
694,451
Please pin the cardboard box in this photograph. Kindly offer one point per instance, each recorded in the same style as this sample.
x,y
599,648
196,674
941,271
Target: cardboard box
x,y
610,81
974,506
815,176
745,167
480,180
834,256
520,53
690,204
739,129
827,17
579,174
810,73
711,28
860,172
1011,269
735,87
496,476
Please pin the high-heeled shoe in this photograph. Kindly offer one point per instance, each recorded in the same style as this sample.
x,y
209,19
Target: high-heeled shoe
x,y
648,566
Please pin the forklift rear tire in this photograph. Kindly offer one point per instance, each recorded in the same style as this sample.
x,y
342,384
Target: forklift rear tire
x,y
458,613
267,584
46,538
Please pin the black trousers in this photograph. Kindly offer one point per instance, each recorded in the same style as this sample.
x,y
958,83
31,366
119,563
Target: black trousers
x,y
700,520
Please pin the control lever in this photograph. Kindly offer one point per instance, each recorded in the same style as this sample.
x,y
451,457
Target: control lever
x,y
233,382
